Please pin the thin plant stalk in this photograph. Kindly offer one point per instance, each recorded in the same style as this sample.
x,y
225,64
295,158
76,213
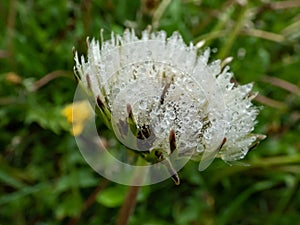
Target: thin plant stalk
x,y
128,206
131,196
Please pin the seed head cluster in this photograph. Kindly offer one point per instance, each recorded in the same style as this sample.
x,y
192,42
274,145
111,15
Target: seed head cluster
x,y
162,95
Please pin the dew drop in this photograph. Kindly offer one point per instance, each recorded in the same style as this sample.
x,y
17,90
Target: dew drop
x,y
143,104
200,148
197,125
186,120
116,90
172,115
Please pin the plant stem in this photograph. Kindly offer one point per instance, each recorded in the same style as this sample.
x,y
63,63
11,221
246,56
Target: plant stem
x,y
159,12
128,206
234,33
89,201
131,196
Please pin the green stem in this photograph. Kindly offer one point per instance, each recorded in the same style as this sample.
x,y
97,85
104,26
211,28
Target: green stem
x,y
233,35
128,206
159,12
270,162
219,29
131,196
89,201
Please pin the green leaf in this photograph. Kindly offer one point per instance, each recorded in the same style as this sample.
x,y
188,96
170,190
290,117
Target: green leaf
x,y
81,178
28,190
9,180
70,206
112,197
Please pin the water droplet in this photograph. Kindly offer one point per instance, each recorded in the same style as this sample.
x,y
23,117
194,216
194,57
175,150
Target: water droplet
x,y
197,125
116,91
172,115
143,104
200,148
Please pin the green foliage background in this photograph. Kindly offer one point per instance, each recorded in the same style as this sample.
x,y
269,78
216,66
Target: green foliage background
x,y
45,180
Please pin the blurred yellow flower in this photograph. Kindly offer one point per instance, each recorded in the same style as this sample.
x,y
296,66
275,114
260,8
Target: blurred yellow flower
x,y
13,78
77,114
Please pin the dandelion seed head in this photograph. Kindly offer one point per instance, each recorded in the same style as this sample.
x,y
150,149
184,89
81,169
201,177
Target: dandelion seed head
x,y
169,87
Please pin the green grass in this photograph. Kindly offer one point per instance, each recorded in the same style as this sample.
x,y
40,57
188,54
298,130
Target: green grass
x,y
45,180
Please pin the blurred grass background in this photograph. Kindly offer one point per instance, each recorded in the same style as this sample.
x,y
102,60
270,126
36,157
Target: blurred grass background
x,y
45,180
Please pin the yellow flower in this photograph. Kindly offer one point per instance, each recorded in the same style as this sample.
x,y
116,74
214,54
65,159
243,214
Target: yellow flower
x,y
77,114
13,78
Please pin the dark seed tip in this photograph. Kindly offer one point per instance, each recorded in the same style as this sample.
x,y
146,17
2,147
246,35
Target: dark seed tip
x,y
100,103
88,80
129,109
176,179
223,142
74,51
172,140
